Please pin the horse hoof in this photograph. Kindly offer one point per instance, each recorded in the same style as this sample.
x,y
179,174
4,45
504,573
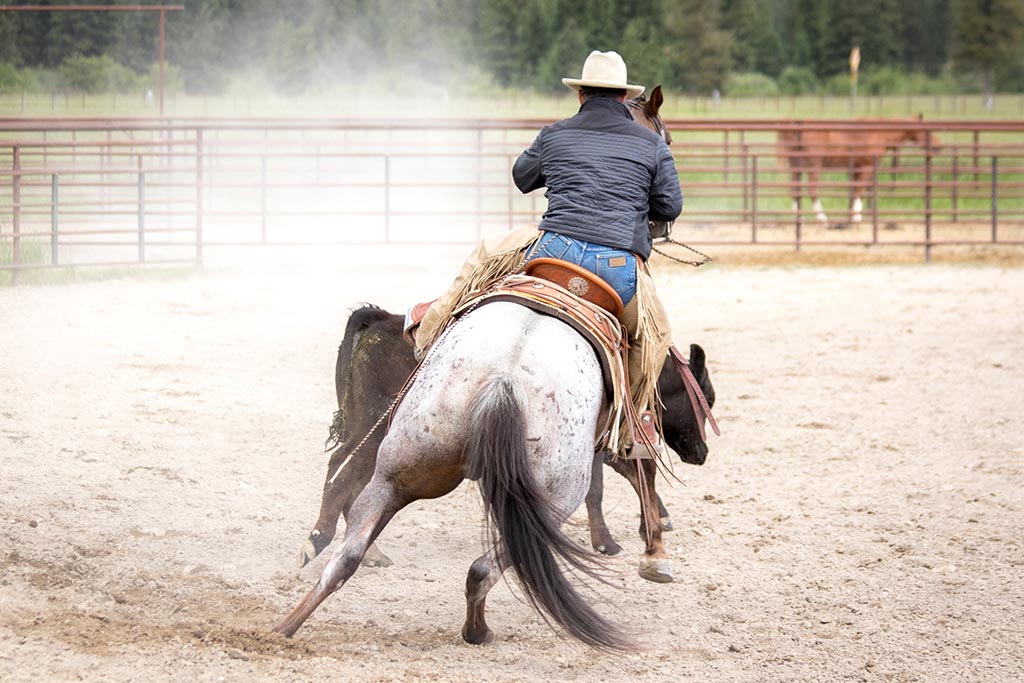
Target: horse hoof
x,y
307,553
375,558
477,638
666,524
657,571
612,548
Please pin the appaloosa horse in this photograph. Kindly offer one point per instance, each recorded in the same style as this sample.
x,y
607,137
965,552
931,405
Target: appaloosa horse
x,y
512,399
373,363
855,151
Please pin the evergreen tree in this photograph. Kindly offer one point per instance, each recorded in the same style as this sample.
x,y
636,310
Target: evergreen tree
x,y
702,59
645,50
985,34
925,37
875,26
756,45
9,53
565,58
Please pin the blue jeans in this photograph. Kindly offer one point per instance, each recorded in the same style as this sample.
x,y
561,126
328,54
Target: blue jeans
x,y
617,267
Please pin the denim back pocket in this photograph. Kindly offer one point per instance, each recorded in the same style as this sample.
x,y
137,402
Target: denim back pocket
x,y
619,271
552,246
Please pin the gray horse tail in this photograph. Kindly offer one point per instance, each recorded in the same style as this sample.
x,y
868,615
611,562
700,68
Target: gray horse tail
x,y
497,457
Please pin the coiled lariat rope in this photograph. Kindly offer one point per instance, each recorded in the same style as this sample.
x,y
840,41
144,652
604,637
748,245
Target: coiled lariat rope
x,y
668,240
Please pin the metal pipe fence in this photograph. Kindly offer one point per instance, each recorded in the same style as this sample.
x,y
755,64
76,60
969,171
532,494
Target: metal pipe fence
x,y
120,191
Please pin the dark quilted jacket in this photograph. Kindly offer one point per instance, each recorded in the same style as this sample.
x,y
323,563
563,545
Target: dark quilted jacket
x,y
606,177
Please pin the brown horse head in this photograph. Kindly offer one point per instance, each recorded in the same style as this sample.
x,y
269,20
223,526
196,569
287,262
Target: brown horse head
x,y
919,136
645,112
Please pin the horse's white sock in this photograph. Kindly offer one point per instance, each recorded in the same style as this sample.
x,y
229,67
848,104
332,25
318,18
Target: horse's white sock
x,y
819,211
858,207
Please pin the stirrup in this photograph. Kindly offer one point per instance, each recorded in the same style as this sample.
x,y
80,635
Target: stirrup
x,y
640,448
409,328
413,318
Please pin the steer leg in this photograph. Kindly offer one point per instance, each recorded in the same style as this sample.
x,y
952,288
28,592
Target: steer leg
x,y
600,538
627,468
338,497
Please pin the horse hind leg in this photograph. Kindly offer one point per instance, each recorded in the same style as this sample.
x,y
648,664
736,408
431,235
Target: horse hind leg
x,y
857,209
819,210
482,576
860,180
374,508
655,564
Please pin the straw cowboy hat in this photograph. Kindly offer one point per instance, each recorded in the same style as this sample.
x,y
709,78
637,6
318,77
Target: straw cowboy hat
x,y
604,70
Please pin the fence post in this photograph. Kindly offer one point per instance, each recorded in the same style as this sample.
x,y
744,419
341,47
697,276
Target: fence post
x,y
753,200
746,200
479,184
263,199
976,162
199,194
851,190
956,179
874,199
142,212
387,199
53,219
16,201
928,197
995,198
725,157
511,163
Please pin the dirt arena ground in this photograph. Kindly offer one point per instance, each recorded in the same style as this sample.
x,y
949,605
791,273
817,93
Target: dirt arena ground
x,y
859,519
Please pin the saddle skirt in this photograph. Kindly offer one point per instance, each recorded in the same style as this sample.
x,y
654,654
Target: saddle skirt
x,y
604,332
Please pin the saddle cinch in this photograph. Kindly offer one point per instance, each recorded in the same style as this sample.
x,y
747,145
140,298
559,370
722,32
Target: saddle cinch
x,y
585,302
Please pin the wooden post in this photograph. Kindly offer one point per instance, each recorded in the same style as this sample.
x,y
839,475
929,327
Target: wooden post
x,y
142,212
753,201
956,174
53,219
995,198
199,194
746,180
16,218
263,199
511,218
387,199
976,162
928,197
874,200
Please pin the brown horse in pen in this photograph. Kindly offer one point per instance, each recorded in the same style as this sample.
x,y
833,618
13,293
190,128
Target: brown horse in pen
x,y
855,151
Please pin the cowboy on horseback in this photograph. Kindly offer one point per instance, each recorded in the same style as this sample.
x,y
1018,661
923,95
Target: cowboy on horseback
x,y
607,179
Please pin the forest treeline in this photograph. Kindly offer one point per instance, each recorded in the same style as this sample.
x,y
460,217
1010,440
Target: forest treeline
x,y
737,47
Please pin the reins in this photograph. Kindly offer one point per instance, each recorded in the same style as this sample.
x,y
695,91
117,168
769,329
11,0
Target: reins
x,y
698,400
